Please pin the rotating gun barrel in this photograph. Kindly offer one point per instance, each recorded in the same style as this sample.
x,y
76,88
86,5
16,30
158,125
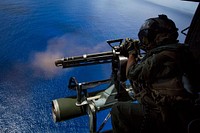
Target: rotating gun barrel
x,y
86,59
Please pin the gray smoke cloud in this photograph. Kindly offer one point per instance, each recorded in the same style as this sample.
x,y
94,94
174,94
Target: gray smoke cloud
x,y
43,62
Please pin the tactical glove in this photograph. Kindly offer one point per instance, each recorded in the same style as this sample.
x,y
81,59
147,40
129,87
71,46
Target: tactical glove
x,y
130,46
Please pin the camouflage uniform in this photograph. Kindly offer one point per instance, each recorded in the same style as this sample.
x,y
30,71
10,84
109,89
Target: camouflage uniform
x,y
162,83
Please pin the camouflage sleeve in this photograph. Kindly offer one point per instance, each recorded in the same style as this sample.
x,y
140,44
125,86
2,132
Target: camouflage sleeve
x,y
155,66
141,70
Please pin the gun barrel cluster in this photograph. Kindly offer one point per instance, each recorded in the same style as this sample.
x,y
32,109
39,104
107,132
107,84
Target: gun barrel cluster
x,y
86,59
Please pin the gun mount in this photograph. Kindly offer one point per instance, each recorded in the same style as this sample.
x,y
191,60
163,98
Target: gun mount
x,y
85,103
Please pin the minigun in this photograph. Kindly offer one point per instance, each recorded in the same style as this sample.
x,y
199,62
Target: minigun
x,y
90,103
91,59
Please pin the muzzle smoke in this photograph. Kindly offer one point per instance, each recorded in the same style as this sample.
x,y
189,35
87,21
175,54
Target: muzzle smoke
x,y
59,47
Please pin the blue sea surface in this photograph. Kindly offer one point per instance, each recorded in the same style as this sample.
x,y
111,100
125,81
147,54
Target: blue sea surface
x,y
34,33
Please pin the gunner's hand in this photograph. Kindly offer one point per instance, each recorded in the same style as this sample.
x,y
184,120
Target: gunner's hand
x,y
130,46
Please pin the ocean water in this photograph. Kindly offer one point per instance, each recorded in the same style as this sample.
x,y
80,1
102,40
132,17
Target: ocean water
x,y
35,33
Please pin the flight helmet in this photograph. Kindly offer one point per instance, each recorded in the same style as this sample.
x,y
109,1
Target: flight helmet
x,y
158,31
